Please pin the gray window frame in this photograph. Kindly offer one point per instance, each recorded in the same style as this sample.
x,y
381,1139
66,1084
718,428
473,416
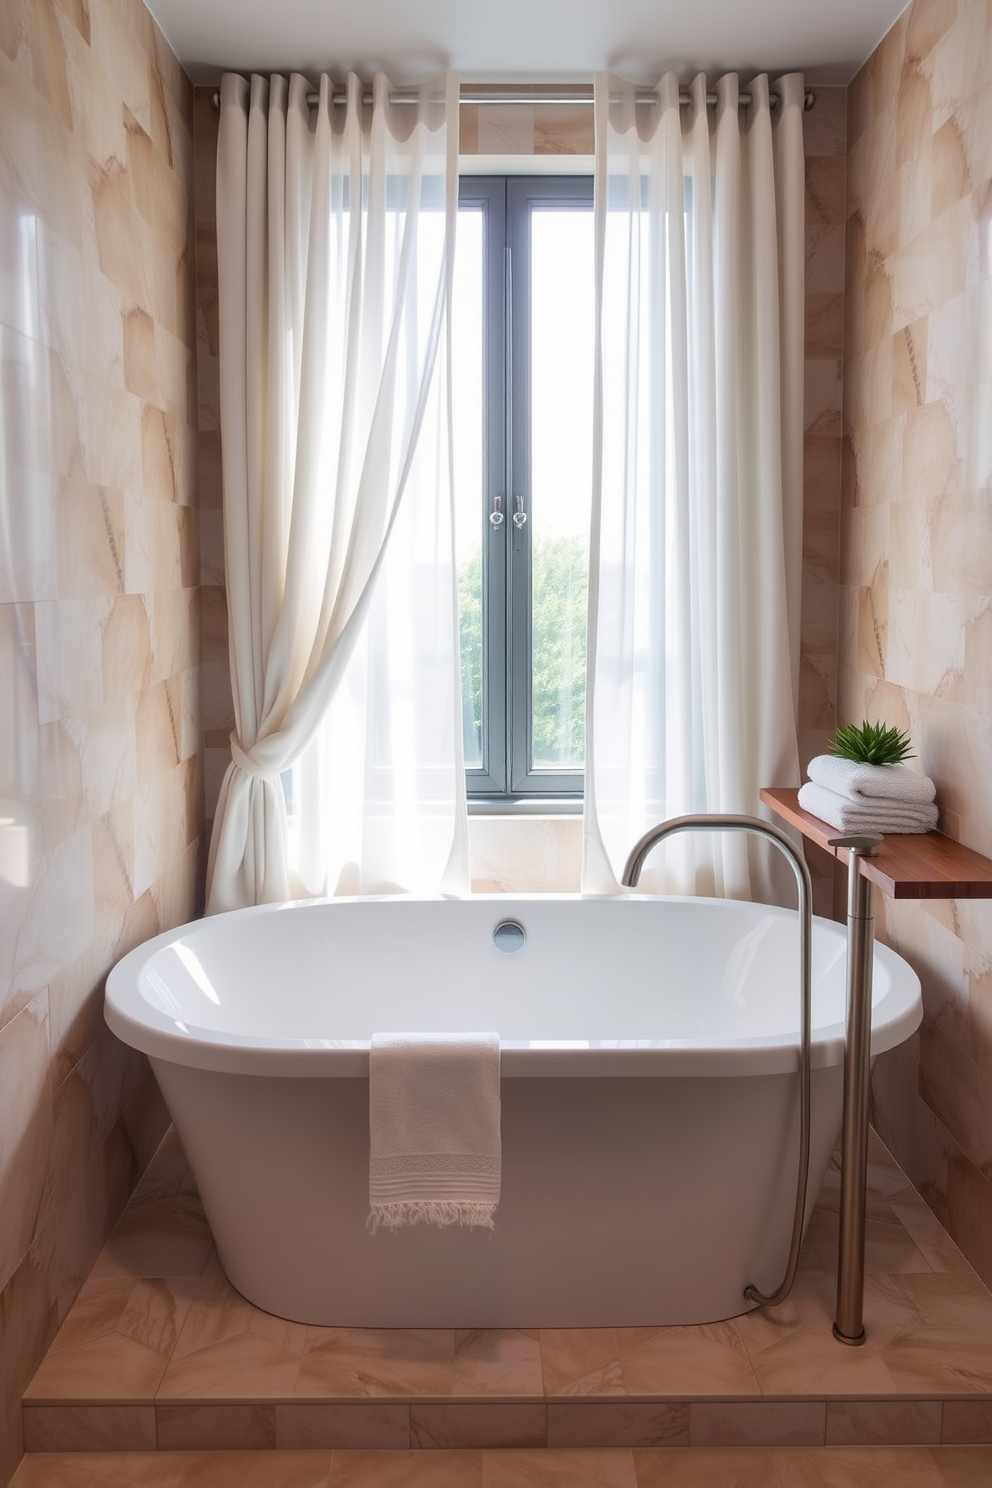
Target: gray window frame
x,y
506,779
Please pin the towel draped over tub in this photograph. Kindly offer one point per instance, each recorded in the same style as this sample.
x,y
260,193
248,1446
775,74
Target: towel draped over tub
x,y
434,1129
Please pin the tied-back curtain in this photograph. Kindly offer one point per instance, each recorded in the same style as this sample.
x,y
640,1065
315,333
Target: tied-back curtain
x,y
697,482
335,235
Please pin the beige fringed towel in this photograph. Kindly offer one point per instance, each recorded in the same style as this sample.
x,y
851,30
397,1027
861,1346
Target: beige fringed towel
x,y
434,1127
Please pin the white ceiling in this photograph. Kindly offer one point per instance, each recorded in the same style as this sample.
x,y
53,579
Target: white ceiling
x,y
526,40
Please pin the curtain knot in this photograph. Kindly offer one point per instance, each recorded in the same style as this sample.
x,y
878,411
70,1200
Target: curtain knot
x,y
245,762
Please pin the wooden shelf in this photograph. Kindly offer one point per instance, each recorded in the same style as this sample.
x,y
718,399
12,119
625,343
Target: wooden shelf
x,y
919,865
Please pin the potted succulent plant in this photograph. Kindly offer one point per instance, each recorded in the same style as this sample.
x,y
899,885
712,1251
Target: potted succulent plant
x,y
871,744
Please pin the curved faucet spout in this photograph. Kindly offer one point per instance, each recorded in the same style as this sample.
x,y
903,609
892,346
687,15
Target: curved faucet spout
x,y
758,828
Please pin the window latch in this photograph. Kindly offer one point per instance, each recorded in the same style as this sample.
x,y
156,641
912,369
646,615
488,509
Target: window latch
x,y
519,516
496,515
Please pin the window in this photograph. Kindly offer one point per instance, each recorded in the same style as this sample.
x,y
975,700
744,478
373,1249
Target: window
x,y
523,332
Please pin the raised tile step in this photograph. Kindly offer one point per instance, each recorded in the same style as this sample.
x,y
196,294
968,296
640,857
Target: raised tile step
x,y
432,1425
160,1353
754,1467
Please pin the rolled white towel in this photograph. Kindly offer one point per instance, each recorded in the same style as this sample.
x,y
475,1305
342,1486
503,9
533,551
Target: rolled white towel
x,y
882,782
862,815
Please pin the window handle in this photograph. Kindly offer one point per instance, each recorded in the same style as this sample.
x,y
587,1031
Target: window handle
x,y
496,515
519,516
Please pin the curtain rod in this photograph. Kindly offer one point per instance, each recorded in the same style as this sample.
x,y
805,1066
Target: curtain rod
x,y
581,94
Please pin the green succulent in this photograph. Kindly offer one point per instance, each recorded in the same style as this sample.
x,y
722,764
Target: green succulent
x,y
871,744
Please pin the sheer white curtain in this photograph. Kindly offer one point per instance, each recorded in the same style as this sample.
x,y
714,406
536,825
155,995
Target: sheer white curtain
x,y
335,229
697,483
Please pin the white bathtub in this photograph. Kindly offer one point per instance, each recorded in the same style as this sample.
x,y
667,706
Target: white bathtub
x,y
649,1058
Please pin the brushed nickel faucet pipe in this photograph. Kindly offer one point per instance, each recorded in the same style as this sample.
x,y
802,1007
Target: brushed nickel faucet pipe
x,y
759,828
849,1324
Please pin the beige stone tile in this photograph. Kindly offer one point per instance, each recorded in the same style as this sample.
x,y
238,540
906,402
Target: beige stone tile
x,y
824,323
914,114
932,1331
616,1423
580,1361
164,1174
967,1421
48,176
705,1467
563,131
813,1364
497,1361
168,1237
28,1318
113,866
90,1428
478,1424
506,130
767,1325
607,1467
70,672
957,62
757,1424
909,366
825,189
215,1313
963,1467
109,1368
159,193
215,1427
26,1131
952,177
366,1424
257,1470
126,646
708,1360
96,1310
89,536
288,1335
140,360
852,1467
156,732
957,1090
407,1470
928,1234
244,1367
155,1313
164,824
822,399
960,533
383,1361
153,553
882,1422
101,1470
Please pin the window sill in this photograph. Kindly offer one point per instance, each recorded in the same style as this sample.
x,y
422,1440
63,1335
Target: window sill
x,y
525,805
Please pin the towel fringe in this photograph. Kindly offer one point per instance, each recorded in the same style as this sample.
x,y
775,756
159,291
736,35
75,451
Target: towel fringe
x,y
440,1212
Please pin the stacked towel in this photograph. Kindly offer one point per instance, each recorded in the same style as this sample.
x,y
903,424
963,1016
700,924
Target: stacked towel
x,y
868,798
872,782
434,1128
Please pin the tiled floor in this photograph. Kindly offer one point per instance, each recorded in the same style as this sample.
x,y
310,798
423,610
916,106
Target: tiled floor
x,y
160,1353
611,1467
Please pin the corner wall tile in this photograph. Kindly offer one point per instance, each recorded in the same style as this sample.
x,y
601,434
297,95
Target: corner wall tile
x,y
95,278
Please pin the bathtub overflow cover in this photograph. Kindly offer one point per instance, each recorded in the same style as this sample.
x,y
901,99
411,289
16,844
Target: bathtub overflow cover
x,y
509,936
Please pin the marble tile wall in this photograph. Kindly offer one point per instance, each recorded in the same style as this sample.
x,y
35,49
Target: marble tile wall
x,y
825,146
916,552
100,758
544,853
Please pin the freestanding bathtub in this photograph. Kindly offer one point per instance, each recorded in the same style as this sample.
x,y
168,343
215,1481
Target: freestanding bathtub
x,y
649,1074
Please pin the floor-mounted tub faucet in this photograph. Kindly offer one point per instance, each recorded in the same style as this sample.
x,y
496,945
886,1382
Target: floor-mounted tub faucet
x,y
758,828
